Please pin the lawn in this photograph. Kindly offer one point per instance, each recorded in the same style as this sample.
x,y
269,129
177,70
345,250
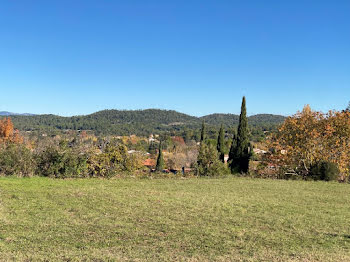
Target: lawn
x,y
229,219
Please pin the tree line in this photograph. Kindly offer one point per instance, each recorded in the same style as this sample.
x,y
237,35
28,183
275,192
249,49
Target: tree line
x,y
308,145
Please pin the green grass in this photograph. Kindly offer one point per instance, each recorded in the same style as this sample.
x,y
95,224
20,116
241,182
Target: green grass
x,y
231,219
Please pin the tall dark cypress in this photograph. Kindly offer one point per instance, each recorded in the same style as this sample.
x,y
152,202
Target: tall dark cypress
x,y
232,157
240,150
221,144
203,132
160,160
233,145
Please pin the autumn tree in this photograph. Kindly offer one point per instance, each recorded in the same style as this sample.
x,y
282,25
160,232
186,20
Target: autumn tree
x,y
7,132
310,137
6,128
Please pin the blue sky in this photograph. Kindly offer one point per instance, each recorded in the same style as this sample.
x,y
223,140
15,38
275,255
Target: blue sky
x,y
195,56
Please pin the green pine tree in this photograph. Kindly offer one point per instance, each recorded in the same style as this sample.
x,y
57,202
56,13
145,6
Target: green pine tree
x,y
203,136
240,150
160,161
221,144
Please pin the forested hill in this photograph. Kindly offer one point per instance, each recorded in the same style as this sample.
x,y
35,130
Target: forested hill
x,y
231,119
139,122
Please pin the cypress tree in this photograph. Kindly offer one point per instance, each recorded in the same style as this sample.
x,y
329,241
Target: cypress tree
x,y
221,144
232,157
240,149
152,149
160,159
203,136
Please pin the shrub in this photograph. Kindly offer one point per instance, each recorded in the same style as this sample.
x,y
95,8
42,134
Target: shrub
x,y
114,159
61,163
17,160
324,170
209,163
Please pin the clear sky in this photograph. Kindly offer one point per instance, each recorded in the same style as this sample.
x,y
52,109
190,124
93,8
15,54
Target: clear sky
x,y
73,57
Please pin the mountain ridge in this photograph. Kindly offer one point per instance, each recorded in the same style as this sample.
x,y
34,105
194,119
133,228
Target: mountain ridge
x,y
6,113
139,122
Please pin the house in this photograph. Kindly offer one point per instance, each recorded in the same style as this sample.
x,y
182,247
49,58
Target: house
x,y
138,152
226,157
151,139
132,151
149,163
259,151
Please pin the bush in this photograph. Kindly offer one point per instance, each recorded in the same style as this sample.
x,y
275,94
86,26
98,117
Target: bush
x,y
16,160
209,163
114,159
61,163
324,170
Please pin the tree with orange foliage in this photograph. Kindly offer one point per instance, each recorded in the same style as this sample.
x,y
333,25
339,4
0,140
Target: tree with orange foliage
x,y
8,133
309,137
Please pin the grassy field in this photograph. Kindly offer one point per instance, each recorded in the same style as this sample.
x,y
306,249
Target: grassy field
x,y
231,219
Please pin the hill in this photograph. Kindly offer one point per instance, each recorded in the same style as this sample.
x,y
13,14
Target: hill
x,y
139,122
6,113
231,119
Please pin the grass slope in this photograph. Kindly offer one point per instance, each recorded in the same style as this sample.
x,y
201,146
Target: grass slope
x,y
232,219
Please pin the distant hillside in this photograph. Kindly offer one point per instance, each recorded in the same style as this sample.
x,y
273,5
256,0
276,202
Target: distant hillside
x,y
231,119
266,118
5,113
140,122
218,119
155,116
